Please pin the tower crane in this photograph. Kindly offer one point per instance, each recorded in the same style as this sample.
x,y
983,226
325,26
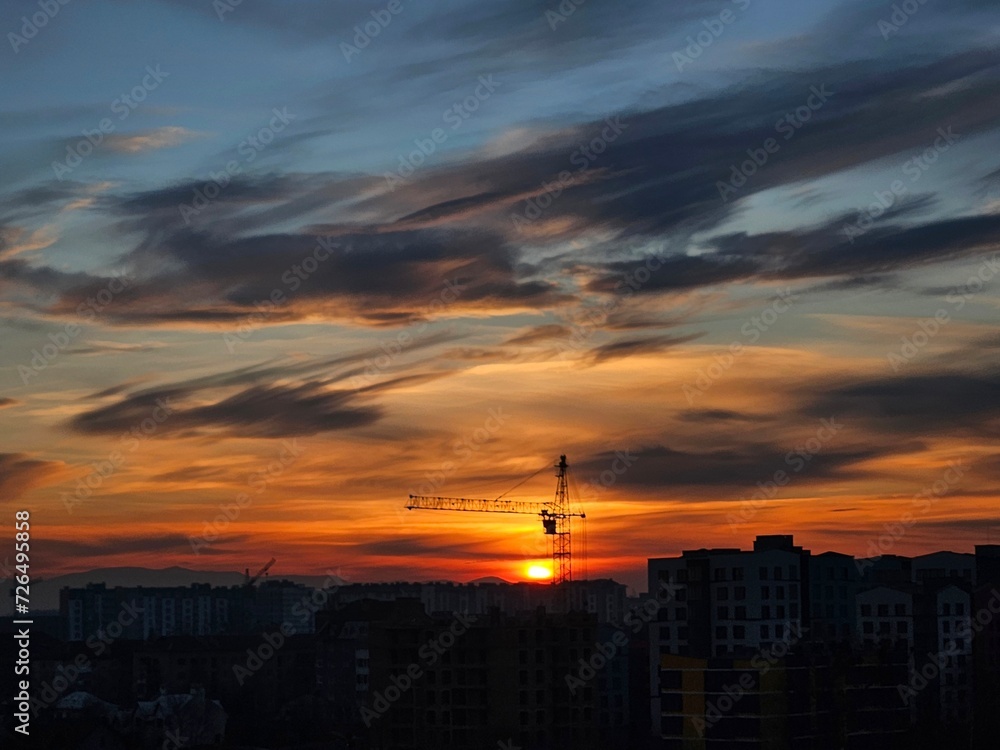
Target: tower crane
x,y
251,581
555,514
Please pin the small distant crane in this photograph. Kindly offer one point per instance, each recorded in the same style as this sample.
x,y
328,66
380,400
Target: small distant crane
x,y
555,515
263,571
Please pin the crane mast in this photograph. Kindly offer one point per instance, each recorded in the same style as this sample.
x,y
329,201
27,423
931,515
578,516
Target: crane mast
x,y
556,517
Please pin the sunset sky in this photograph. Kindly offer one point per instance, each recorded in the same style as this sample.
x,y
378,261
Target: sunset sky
x,y
697,247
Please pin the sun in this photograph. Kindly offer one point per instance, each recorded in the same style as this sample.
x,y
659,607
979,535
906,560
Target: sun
x,y
538,572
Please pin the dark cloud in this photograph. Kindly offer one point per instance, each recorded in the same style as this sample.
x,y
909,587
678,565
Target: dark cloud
x,y
263,411
920,404
112,546
5,402
538,333
424,546
20,473
735,470
200,278
632,347
712,416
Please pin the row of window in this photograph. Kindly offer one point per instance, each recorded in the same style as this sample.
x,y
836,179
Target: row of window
x,y
884,628
899,610
722,632
740,613
763,573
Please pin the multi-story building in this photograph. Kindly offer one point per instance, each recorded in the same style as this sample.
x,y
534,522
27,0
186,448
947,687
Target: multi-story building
x,y
141,613
460,681
885,614
833,586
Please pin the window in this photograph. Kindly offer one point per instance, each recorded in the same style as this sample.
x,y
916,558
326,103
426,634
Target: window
x,y
682,633
765,592
720,574
764,632
883,628
781,612
741,613
794,609
777,572
739,632
721,632
664,632
900,610
765,612
866,610
946,627
722,613
737,574
946,608
740,593
883,610
781,592
959,609
902,627
682,613
681,595
793,572
868,627
722,593
762,573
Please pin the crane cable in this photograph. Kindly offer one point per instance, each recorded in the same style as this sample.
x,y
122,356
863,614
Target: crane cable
x,y
523,481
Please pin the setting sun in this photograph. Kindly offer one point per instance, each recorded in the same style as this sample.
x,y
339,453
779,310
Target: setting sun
x,y
539,571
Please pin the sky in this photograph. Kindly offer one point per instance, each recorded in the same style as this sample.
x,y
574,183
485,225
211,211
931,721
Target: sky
x,y
266,269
